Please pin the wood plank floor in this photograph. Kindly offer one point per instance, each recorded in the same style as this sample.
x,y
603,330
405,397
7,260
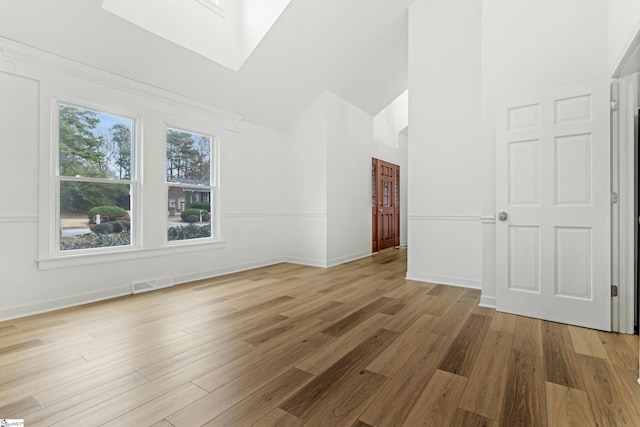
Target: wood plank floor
x,y
288,345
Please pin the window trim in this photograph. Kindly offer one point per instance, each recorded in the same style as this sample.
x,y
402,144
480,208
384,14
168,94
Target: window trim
x,y
213,187
49,257
134,181
126,254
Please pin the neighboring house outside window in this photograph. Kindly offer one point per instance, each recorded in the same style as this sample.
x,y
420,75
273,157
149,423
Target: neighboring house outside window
x,y
181,197
190,185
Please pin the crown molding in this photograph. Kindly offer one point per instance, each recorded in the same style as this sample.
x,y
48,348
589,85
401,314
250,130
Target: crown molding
x,y
18,52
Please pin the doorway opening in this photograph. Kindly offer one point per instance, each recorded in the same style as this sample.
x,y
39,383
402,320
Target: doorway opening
x,y
385,205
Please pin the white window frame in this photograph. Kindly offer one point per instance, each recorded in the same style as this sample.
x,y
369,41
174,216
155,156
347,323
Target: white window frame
x,y
133,182
213,187
145,242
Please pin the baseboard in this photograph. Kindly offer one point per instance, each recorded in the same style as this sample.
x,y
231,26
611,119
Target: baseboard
x,y
488,302
445,280
101,295
208,274
326,264
306,261
46,306
348,258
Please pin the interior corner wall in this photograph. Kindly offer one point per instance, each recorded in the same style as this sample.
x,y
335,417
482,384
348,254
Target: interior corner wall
x,y
305,186
529,46
444,167
349,139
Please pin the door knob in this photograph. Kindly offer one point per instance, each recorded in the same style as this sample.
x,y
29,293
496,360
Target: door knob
x,y
502,216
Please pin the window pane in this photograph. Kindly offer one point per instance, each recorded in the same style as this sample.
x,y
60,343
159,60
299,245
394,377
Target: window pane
x,y
373,185
189,213
95,145
385,193
188,157
94,215
396,189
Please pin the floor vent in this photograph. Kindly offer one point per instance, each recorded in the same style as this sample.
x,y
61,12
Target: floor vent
x,y
150,285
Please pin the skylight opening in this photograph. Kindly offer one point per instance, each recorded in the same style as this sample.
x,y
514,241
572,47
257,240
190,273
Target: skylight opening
x,y
224,31
214,6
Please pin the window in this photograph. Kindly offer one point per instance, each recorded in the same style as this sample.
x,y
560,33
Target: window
x,y
94,179
190,188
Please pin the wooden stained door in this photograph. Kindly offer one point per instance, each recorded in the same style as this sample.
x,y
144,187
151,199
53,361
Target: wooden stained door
x,y
385,208
553,191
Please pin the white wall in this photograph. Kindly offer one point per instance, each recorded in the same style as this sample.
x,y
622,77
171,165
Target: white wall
x,y
394,118
251,188
624,25
444,167
350,135
527,46
350,148
383,131
305,187
251,183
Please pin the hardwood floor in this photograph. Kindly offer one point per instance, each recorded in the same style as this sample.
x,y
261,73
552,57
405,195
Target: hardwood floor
x,y
288,345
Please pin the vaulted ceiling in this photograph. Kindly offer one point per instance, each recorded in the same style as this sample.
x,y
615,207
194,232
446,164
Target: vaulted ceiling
x,y
354,48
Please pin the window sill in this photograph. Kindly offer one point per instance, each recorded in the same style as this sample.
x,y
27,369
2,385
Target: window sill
x,y
130,254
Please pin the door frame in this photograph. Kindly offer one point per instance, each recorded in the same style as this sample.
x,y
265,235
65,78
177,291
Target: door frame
x,y
626,91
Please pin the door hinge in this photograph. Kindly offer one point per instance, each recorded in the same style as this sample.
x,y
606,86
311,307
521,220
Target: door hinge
x,y
614,198
614,105
614,290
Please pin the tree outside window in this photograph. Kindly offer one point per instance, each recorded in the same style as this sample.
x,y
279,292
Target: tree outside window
x,y
94,179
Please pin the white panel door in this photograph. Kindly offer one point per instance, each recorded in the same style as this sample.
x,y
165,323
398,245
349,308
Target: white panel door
x,y
553,184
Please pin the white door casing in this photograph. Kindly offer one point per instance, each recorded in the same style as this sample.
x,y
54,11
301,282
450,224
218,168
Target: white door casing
x,y
553,251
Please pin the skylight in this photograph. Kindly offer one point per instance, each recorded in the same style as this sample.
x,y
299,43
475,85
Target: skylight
x,y
213,5
225,31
